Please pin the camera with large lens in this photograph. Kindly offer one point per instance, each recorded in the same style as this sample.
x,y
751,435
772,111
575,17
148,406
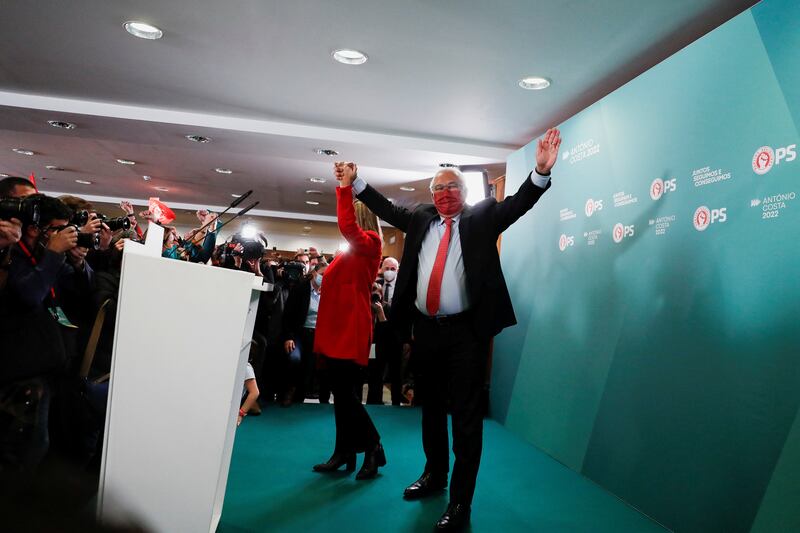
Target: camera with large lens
x,y
252,248
115,224
293,270
87,240
79,218
26,210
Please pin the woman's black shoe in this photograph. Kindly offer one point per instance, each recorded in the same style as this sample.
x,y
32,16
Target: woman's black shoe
x,y
372,460
336,461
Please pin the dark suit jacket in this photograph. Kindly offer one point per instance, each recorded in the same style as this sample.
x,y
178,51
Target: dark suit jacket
x,y
479,228
296,310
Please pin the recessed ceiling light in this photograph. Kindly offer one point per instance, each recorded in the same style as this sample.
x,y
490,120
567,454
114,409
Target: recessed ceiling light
x,y
312,202
199,139
83,182
3,175
447,165
307,228
146,178
143,30
313,191
236,195
326,151
22,151
316,180
53,167
534,83
407,189
126,162
223,170
61,124
162,189
349,56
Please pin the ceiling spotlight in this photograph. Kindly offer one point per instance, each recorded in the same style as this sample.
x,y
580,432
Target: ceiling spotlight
x,y
407,189
199,139
83,182
348,56
3,175
143,30
53,167
22,151
223,170
236,195
62,125
316,180
307,228
162,189
146,178
126,162
326,151
312,202
313,191
534,83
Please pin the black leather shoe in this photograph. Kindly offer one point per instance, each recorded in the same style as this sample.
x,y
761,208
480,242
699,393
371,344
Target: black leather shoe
x,y
336,461
455,518
372,460
426,485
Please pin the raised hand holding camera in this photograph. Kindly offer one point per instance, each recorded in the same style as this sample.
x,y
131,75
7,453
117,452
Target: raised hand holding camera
x,y
10,232
63,240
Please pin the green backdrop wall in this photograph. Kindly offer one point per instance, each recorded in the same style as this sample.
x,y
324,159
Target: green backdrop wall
x,y
657,286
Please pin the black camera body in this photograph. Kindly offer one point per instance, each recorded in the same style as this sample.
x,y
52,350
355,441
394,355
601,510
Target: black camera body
x,y
79,218
26,210
115,224
87,240
293,270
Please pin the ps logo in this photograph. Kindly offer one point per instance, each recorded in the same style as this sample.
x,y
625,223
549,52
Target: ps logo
x,y
660,187
765,157
621,231
592,206
704,217
565,241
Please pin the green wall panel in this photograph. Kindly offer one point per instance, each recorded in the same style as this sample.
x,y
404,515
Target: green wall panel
x,y
666,366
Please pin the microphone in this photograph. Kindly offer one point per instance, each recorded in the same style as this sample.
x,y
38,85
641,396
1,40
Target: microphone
x,y
236,202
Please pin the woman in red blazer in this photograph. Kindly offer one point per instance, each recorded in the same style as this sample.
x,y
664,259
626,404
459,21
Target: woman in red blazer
x,y
344,335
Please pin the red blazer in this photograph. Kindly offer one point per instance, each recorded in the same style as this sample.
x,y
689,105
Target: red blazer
x,y
344,319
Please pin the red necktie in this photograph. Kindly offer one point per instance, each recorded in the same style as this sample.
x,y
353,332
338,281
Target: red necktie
x,y
435,282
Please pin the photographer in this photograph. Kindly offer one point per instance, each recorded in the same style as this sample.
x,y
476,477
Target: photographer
x,y
299,324
34,331
287,277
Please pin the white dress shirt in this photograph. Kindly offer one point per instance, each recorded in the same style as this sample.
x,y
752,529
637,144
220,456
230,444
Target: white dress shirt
x,y
453,297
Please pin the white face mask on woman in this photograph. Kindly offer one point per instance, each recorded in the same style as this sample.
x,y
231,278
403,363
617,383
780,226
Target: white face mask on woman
x,y
389,275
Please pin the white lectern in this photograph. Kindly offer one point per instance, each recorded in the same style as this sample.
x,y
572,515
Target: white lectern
x,y
181,344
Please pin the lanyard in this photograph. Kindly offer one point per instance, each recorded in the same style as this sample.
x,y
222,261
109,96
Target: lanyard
x,y
33,262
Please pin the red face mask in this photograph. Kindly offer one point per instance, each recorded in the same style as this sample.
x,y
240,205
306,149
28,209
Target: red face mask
x,y
448,203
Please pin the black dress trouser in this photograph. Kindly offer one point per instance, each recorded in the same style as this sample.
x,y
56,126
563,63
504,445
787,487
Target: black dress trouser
x,y
355,431
451,362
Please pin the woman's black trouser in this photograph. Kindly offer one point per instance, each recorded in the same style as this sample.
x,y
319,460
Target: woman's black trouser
x,y
355,431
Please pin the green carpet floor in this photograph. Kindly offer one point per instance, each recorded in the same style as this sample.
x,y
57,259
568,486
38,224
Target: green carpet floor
x,y
271,486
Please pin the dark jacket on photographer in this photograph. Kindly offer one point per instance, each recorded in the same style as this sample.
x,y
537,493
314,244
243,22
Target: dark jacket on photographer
x,y
296,311
33,341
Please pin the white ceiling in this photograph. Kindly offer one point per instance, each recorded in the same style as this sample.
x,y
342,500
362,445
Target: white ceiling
x,y
257,77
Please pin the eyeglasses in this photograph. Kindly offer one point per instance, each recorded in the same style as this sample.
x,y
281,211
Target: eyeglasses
x,y
452,186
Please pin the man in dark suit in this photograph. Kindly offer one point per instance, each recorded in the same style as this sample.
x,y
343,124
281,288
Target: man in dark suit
x,y
452,297
297,330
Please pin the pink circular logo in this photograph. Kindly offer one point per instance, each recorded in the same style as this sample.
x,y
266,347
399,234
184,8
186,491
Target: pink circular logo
x,y
562,242
763,160
702,218
589,209
618,233
657,188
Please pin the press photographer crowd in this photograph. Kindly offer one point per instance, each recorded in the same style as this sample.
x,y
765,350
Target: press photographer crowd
x,y
60,267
